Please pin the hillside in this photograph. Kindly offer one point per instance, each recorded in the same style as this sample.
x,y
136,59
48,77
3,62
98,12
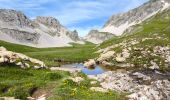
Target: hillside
x,y
118,23
147,45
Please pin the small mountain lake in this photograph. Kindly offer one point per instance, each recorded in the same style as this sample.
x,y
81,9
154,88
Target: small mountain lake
x,y
97,70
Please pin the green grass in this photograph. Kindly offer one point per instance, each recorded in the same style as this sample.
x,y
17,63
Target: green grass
x,y
70,90
22,83
75,53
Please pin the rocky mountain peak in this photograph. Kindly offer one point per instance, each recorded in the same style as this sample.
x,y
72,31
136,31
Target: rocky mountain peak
x,y
97,37
49,21
117,24
15,27
14,18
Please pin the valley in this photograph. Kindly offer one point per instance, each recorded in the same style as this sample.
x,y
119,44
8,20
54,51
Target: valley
x,y
127,59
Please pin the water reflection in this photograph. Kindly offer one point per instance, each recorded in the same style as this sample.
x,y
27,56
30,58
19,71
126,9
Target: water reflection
x,y
93,71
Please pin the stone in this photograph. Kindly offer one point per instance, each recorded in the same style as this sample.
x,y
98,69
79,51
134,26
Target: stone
x,y
42,97
13,57
93,82
105,56
90,63
77,79
98,89
154,65
120,59
71,70
105,63
2,48
8,98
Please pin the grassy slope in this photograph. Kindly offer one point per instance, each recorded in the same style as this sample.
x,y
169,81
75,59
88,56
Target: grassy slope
x,y
76,53
157,26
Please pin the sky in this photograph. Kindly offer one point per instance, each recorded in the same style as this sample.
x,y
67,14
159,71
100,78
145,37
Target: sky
x,y
82,15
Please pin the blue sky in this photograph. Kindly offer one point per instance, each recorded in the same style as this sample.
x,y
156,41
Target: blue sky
x,y
82,15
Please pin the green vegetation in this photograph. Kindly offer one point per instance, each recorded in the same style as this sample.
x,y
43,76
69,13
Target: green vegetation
x,y
52,56
23,83
70,90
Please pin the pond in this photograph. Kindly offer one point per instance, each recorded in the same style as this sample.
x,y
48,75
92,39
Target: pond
x,y
97,70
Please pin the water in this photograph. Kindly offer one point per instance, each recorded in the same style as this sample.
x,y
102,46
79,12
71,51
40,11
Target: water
x,y
97,70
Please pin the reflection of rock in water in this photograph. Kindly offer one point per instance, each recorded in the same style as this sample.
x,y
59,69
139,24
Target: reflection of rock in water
x,y
91,67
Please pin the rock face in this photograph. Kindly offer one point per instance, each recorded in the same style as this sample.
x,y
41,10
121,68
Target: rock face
x,y
15,27
97,37
117,24
18,59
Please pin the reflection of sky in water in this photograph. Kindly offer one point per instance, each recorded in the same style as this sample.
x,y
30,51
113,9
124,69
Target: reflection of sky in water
x,y
97,70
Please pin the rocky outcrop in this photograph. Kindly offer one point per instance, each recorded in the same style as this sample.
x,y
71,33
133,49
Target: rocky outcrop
x,y
140,86
49,21
97,37
117,24
74,35
15,27
18,59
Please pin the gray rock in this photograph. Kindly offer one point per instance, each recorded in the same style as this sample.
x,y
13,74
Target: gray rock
x,y
97,37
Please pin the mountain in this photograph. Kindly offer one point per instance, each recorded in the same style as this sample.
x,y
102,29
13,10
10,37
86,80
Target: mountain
x,y
17,28
118,24
147,45
97,37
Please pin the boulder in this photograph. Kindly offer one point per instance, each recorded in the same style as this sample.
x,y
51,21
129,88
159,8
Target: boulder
x,y
98,89
154,65
77,79
93,82
90,63
105,63
18,59
120,59
106,56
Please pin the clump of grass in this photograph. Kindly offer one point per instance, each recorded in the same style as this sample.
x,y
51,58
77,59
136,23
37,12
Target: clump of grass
x,y
53,76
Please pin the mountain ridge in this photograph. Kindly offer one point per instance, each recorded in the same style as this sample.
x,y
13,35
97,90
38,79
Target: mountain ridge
x,y
17,28
118,23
